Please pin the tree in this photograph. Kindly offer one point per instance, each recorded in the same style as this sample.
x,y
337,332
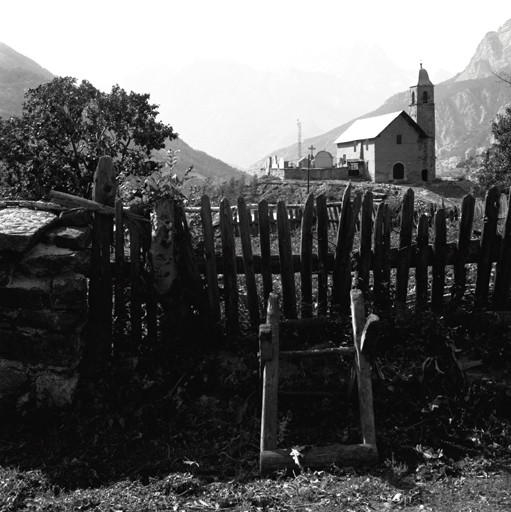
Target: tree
x,y
497,167
65,128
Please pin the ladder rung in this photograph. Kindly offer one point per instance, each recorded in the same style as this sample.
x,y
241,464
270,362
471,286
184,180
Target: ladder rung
x,y
335,351
313,393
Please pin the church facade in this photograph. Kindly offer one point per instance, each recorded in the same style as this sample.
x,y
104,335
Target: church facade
x,y
397,147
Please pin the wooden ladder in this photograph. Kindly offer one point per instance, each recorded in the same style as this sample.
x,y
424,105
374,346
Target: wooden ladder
x,y
272,459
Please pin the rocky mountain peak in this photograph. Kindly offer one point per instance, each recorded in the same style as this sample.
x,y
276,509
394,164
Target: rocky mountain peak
x,y
492,55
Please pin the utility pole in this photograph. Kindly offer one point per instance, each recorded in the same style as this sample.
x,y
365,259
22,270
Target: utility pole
x,y
299,139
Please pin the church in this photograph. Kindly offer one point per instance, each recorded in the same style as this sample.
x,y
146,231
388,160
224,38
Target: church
x,y
393,148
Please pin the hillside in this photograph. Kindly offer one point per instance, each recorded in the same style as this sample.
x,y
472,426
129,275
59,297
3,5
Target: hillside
x,y
19,73
465,106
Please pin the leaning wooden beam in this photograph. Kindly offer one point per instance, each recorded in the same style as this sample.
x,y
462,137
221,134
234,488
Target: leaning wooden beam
x,y
269,354
318,458
80,202
364,334
334,351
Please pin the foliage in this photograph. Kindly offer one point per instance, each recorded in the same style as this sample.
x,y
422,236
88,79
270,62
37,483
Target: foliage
x,y
65,128
497,167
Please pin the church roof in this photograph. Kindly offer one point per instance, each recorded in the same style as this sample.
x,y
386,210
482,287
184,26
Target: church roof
x,y
371,127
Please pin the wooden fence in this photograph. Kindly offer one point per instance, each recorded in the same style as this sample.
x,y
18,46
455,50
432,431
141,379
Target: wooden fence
x,y
314,268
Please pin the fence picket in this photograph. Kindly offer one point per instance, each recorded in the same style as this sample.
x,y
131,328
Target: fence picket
x,y
366,228
119,285
135,278
286,262
439,251
100,288
322,216
405,250
503,271
150,297
248,262
465,235
421,262
210,256
264,243
229,270
306,257
484,266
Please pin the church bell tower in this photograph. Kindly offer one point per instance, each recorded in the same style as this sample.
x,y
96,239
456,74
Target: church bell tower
x,y
422,111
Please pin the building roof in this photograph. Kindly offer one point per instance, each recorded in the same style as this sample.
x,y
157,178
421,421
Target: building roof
x,y
371,127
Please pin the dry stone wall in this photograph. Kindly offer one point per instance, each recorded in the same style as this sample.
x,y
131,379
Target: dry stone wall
x,y
44,263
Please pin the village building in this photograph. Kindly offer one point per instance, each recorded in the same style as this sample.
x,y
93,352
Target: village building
x,y
392,148
396,147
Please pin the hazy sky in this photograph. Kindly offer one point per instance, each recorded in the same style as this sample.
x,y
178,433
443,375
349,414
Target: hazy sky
x,y
104,41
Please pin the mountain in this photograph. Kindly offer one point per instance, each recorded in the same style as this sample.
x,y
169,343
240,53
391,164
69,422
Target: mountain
x,y
466,105
19,73
238,113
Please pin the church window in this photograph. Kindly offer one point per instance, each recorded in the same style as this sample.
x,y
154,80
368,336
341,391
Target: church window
x,y
399,139
425,97
354,145
413,97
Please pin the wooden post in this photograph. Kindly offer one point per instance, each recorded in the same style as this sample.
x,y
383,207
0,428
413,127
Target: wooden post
x,y
439,250
135,281
210,255
421,257
264,242
306,257
287,273
491,217
467,219
230,272
363,337
503,274
150,299
365,242
120,313
269,353
99,350
405,250
248,262
322,215
341,276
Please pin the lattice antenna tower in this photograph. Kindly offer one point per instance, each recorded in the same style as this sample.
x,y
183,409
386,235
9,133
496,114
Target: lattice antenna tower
x,y
299,139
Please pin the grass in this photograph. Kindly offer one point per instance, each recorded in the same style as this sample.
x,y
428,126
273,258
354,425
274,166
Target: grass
x,y
179,430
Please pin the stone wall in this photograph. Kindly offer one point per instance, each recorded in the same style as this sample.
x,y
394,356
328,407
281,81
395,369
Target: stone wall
x,y
44,261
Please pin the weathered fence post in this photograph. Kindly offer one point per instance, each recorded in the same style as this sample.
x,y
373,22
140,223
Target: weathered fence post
x,y
264,242
287,274
488,236
405,250
209,253
99,348
322,215
230,272
306,257
366,228
421,258
439,250
269,356
248,262
460,271
503,273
